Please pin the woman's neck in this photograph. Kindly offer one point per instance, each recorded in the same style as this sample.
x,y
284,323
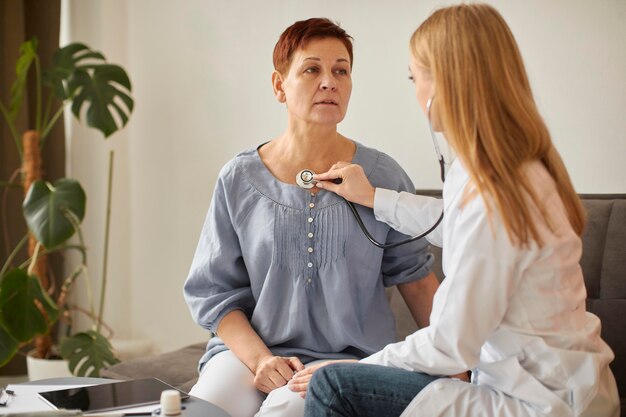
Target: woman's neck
x,y
297,149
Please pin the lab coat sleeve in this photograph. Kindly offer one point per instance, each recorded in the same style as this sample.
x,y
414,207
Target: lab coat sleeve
x,y
411,261
409,213
470,303
218,281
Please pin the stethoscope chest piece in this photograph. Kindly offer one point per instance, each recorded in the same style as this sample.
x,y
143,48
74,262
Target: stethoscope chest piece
x,y
305,179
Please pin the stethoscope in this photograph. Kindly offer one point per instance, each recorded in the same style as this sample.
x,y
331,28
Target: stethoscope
x,y
305,180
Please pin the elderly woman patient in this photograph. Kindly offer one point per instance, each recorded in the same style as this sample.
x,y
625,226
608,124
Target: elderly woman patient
x,y
283,275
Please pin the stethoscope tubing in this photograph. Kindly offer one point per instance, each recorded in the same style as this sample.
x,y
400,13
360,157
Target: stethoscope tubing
x,y
369,237
305,180
442,164
393,244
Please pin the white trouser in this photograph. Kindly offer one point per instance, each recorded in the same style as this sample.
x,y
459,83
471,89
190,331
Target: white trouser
x,y
226,382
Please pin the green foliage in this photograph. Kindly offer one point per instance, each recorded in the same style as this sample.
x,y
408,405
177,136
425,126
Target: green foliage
x,y
8,345
28,54
50,210
83,76
64,62
99,89
25,307
88,352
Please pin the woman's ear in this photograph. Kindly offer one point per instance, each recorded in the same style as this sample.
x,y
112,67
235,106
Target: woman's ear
x,y
277,83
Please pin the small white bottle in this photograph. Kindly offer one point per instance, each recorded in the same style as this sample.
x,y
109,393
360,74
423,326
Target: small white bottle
x,y
170,402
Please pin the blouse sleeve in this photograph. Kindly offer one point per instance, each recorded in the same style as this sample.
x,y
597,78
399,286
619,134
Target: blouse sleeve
x,y
218,281
469,304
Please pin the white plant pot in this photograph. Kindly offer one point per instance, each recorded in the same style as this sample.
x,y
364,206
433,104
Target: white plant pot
x,y
46,368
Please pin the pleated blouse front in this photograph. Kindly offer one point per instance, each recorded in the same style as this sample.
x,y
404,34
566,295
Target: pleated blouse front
x,y
297,263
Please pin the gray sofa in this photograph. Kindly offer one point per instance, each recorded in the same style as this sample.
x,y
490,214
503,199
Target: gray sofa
x,y
603,263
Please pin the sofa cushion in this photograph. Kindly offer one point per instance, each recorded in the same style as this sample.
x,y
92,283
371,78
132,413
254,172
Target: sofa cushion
x,y
604,267
604,253
178,368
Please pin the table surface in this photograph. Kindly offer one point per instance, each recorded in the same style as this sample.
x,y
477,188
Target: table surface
x,y
194,407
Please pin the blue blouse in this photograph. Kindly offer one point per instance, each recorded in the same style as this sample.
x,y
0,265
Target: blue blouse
x,y
298,265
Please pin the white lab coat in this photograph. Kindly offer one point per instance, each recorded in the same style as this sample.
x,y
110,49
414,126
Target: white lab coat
x,y
515,317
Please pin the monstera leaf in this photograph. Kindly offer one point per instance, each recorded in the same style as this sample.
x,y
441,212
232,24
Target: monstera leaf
x,y
83,76
47,207
25,308
65,61
8,345
87,352
99,89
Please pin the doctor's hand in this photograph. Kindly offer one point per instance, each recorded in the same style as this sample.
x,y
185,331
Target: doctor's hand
x,y
274,371
354,186
300,380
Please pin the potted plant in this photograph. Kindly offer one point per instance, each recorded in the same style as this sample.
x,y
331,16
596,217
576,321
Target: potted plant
x,y
30,306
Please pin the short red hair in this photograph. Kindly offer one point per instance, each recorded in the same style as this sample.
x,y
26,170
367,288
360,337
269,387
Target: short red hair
x,y
300,33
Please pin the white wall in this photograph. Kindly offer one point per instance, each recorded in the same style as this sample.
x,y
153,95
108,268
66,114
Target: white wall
x,y
201,77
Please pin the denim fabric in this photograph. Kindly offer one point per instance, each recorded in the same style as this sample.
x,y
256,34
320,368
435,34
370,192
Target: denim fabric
x,y
362,390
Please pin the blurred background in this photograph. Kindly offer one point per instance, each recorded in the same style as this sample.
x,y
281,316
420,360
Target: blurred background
x,y
201,82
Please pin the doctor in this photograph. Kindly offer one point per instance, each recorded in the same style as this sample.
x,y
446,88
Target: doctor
x,y
512,306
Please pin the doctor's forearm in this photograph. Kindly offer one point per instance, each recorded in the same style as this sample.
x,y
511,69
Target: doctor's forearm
x,y
409,213
237,333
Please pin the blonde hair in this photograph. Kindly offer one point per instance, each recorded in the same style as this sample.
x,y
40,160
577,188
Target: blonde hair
x,y
484,104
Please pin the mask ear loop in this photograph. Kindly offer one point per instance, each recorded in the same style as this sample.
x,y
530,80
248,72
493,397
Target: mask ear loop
x,y
442,163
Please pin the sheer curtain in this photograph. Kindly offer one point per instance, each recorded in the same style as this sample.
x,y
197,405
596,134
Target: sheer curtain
x,y
102,25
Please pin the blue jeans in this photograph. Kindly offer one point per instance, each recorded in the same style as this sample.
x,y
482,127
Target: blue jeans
x,y
353,389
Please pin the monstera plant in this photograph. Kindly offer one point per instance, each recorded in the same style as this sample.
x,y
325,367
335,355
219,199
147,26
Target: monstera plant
x,y
30,305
